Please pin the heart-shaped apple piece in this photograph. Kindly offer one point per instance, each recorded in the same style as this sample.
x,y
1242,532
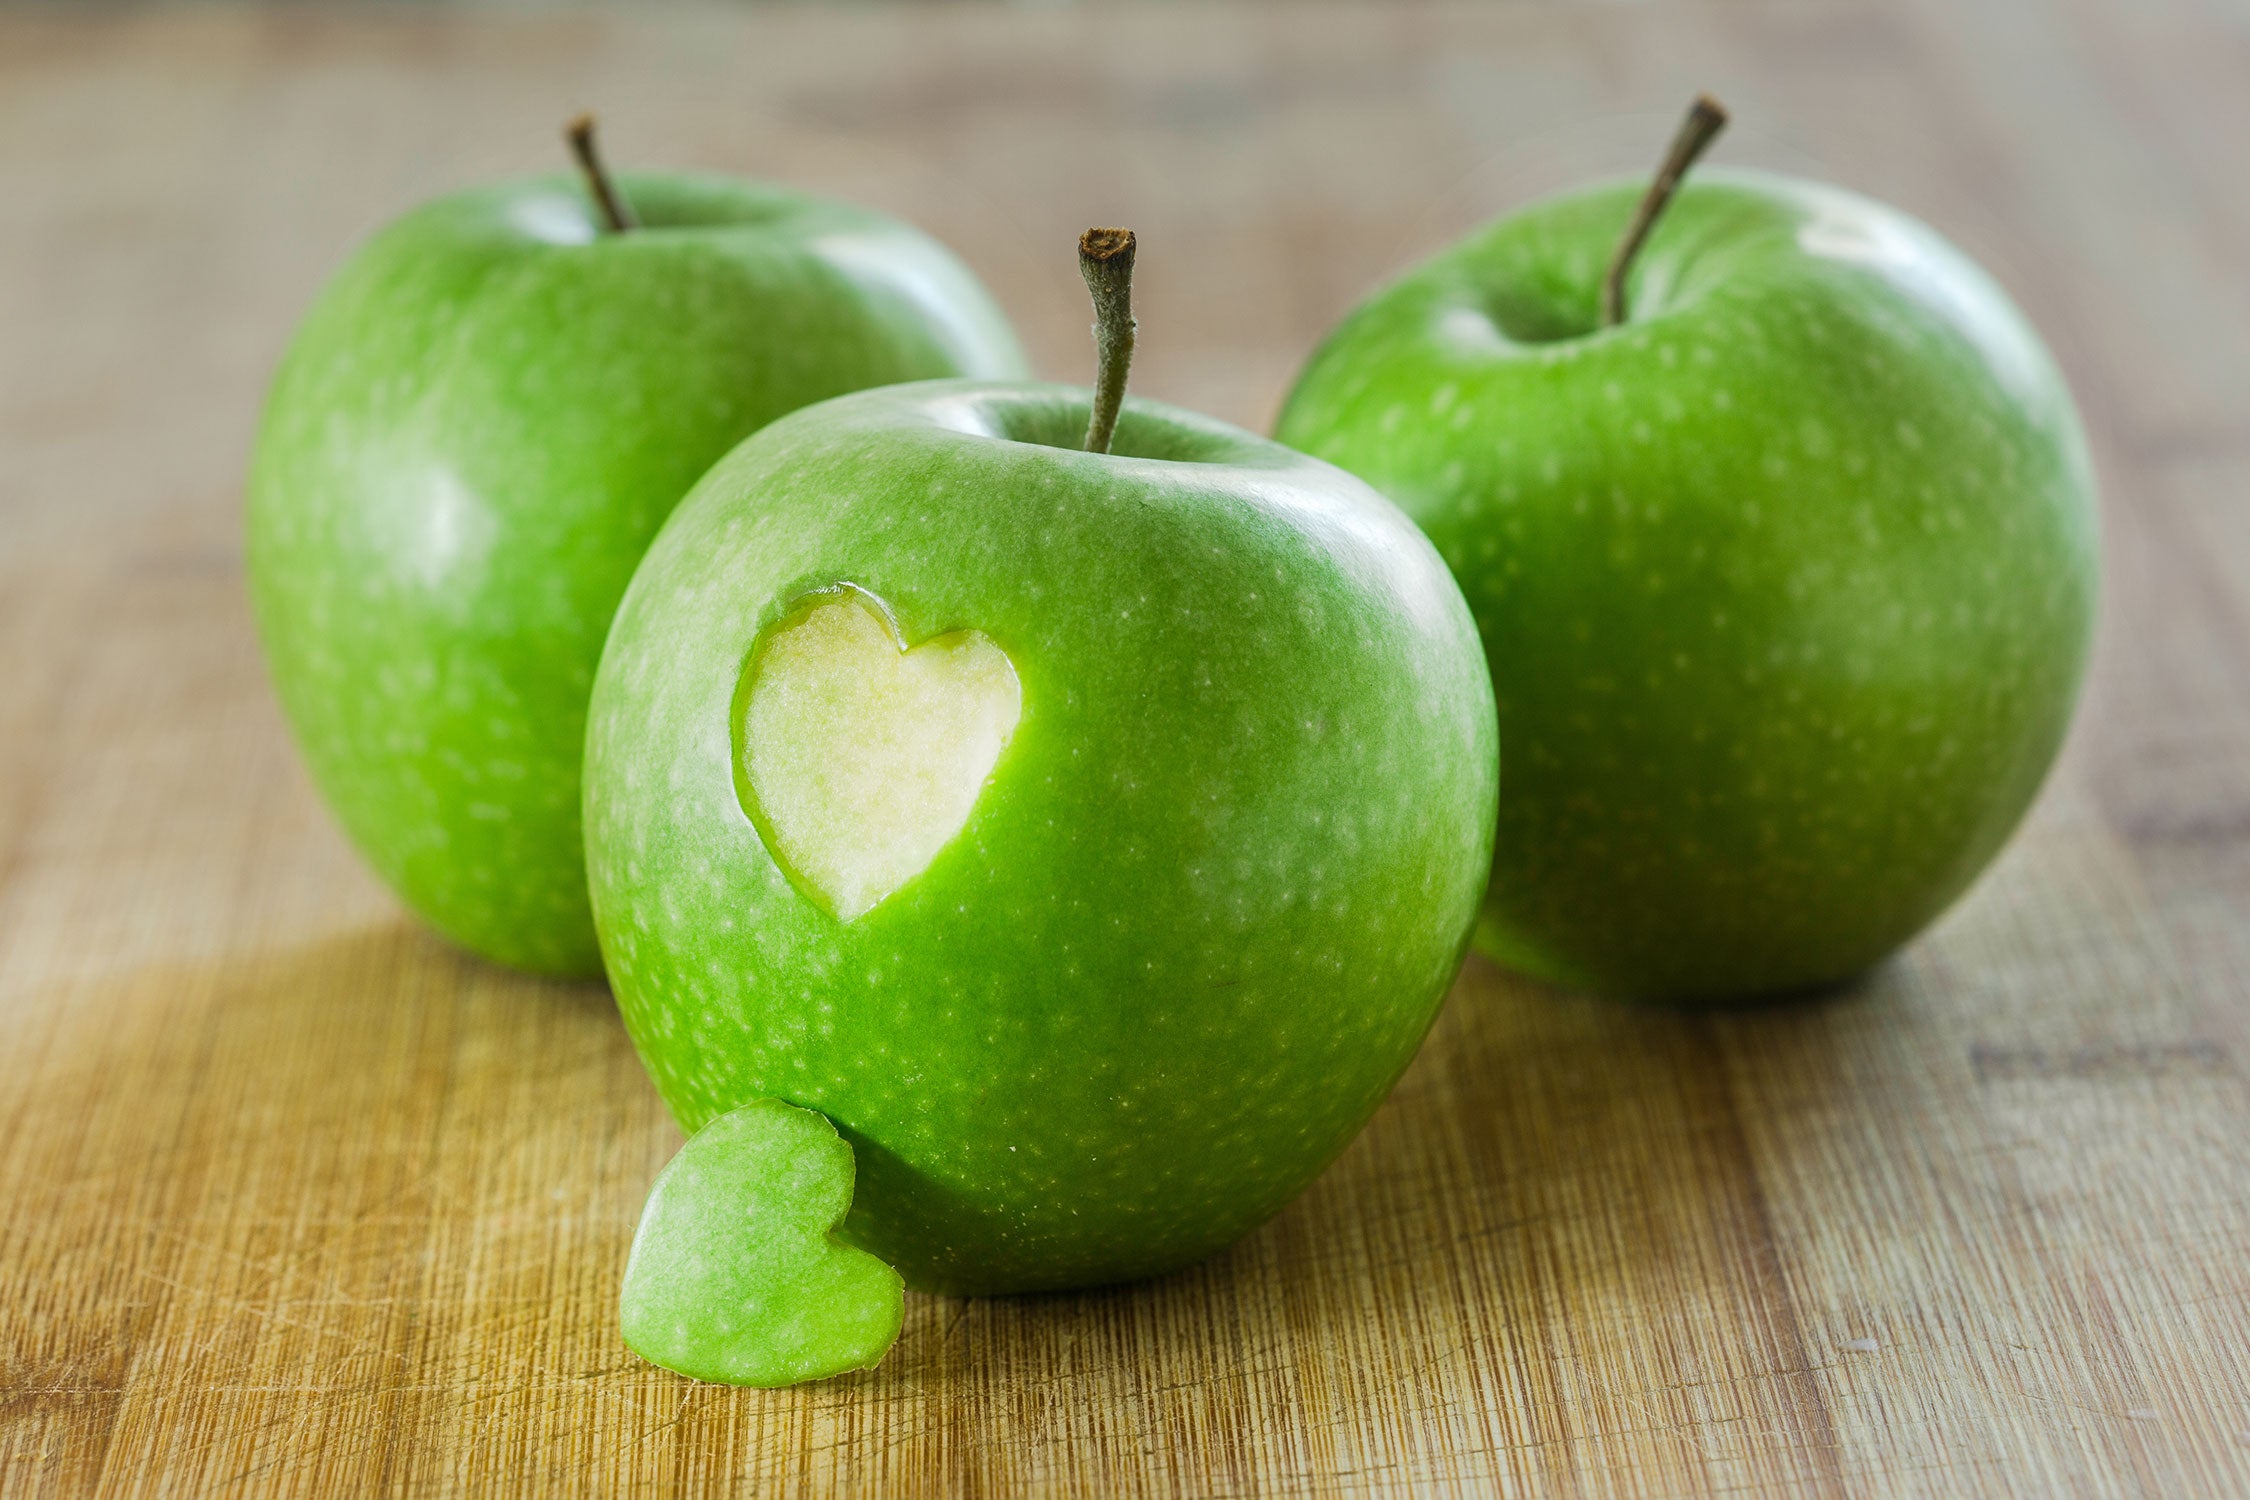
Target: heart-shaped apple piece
x,y
862,759
734,1276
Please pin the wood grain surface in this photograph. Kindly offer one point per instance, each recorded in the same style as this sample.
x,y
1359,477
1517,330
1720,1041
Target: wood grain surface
x,y
293,1199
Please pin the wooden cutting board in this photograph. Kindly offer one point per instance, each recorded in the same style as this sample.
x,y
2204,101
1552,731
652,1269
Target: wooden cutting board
x,y
293,1199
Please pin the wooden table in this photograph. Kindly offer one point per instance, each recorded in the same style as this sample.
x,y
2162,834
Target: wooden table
x,y
295,1199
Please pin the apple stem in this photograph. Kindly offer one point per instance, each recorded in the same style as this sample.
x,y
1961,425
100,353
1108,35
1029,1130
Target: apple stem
x,y
617,214
1105,259
1706,117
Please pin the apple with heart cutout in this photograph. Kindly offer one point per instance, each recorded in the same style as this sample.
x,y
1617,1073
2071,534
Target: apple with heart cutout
x,y
472,440
1089,833
1780,532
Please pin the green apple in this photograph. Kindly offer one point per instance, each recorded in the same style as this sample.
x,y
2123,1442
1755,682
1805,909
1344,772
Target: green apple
x,y
1786,579
1090,836
471,442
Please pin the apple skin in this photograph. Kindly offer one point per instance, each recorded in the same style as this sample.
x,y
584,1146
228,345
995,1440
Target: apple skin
x,y
1209,898
1787,582
470,443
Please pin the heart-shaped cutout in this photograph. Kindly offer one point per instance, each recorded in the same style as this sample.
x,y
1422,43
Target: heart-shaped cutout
x,y
862,759
734,1275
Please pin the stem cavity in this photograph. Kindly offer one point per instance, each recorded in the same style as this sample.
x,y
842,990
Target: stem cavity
x,y
617,214
1105,259
1706,117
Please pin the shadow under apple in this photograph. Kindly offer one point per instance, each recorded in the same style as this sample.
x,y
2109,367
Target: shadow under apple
x,y
1559,1188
